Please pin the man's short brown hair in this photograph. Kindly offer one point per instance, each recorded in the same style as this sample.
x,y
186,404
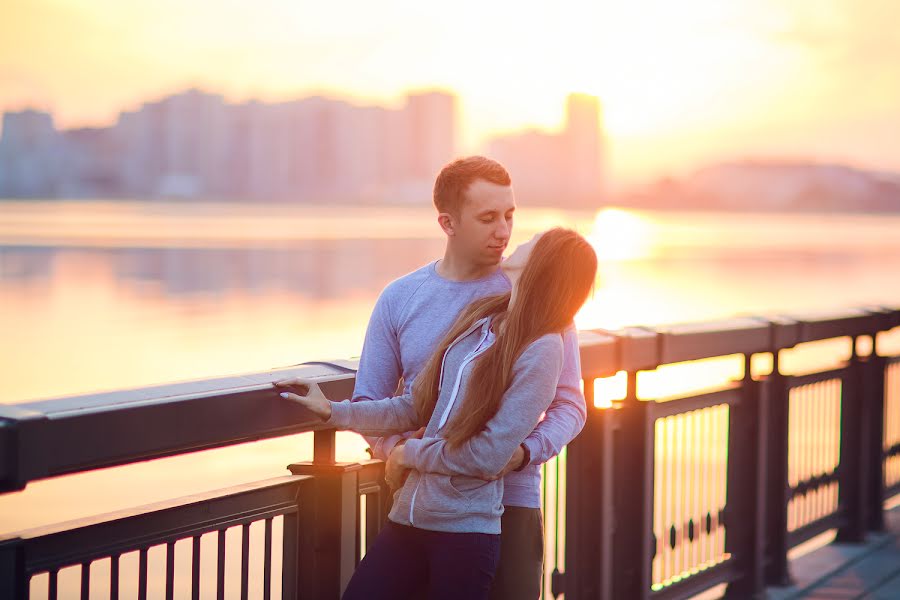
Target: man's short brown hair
x,y
456,177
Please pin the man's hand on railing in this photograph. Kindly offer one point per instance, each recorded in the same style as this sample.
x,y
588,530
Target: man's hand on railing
x,y
310,396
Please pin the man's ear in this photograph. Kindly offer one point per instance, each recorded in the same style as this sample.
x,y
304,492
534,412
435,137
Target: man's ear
x,y
447,223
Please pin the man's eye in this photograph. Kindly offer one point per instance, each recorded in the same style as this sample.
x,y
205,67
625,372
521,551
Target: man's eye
x,y
486,220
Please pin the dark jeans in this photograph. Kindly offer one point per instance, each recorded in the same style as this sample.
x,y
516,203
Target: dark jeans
x,y
521,555
402,560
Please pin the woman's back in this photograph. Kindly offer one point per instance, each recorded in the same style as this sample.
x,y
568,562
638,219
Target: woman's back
x,y
453,488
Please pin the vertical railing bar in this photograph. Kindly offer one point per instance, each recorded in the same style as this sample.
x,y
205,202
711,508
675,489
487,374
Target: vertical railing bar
x,y
890,417
85,581
890,426
544,473
560,510
799,426
711,492
220,565
808,418
684,542
290,554
114,577
822,401
170,571
824,451
834,457
372,517
672,500
820,424
668,516
702,465
824,447
267,561
705,508
722,479
556,512
716,424
793,478
245,560
681,495
696,505
807,423
673,497
361,504
819,395
836,441
833,393
562,460
142,574
659,494
691,491
195,568
52,585
681,531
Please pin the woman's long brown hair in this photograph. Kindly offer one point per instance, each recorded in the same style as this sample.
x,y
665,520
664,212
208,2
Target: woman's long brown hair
x,y
553,285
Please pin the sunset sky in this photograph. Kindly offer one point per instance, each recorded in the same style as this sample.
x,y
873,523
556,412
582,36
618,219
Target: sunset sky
x,y
682,82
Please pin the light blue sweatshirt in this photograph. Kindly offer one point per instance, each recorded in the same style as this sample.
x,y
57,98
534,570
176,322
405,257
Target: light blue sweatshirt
x,y
448,488
411,317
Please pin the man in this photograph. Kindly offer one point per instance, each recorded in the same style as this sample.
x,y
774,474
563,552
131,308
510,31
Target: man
x,y
475,204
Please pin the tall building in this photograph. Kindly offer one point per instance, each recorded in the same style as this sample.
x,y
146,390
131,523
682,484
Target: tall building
x,y
31,154
557,169
582,141
432,125
91,164
196,143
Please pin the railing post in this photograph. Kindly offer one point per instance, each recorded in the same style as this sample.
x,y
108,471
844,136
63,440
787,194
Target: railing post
x,y
852,470
777,487
746,488
874,392
589,506
13,582
633,542
327,523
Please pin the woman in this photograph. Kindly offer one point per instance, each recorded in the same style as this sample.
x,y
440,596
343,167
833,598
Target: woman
x,y
480,395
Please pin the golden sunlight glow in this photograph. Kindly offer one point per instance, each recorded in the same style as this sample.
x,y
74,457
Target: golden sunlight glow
x,y
621,235
670,381
681,83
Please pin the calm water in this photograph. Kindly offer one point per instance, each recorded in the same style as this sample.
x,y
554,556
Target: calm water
x,y
102,295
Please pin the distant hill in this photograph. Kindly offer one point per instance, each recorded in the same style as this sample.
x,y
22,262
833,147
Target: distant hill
x,y
773,186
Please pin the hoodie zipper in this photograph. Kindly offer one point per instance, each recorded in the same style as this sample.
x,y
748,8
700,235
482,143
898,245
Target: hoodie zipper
x,y
475,353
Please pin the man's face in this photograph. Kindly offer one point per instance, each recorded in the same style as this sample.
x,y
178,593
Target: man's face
x,y
485,221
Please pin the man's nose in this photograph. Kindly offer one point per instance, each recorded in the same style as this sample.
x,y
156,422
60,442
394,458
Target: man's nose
x,y
502,230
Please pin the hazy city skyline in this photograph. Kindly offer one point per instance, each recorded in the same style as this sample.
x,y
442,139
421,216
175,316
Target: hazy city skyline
x,y
683,84
195,144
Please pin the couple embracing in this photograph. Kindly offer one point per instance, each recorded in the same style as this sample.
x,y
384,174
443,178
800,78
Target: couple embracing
x,y
488,353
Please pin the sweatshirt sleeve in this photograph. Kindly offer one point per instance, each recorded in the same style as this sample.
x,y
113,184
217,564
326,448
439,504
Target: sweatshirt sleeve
x,y
380,367
567,413
484,455
375,417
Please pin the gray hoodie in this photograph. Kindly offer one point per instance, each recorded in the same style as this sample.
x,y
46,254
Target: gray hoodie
x,y
448,490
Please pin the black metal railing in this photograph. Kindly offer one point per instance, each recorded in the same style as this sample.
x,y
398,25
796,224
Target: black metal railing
x,y
890,448
659,498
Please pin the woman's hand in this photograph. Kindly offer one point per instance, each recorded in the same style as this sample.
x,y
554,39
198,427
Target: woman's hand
x,y
311,396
